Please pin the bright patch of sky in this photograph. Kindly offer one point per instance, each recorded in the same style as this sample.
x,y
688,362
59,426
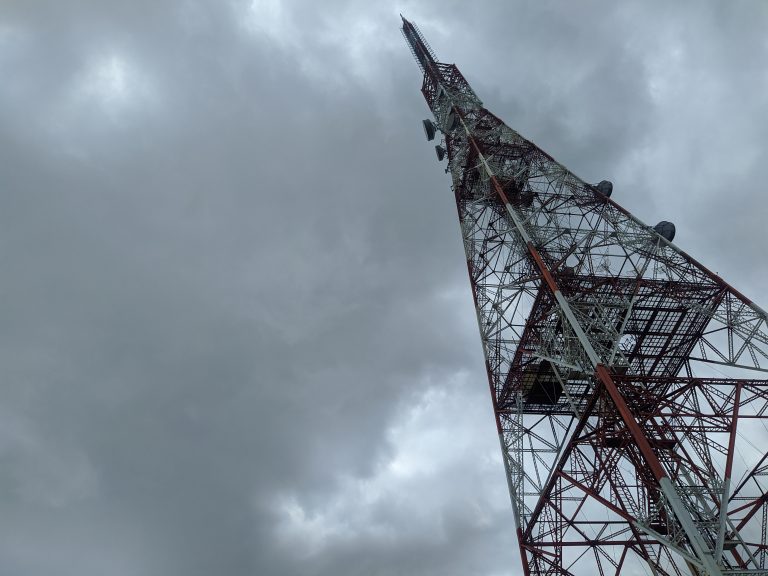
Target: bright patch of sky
x,y
434,437
113,84
269,18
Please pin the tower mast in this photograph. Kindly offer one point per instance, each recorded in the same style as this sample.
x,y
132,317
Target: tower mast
x,y
623,373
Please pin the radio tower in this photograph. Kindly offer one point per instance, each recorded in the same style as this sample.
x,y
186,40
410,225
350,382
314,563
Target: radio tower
x,y
620,368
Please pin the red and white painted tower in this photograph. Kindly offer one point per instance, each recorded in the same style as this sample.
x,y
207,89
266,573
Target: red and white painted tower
x,y
622,371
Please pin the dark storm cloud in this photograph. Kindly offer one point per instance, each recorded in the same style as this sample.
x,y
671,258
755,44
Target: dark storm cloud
x,y
237,336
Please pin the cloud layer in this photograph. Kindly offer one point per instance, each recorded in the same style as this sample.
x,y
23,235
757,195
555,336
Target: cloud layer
x,y
237,333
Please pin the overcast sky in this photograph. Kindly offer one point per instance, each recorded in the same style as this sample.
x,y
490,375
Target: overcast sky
x,y
236,333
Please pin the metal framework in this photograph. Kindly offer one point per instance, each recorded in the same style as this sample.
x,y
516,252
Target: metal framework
x,y
620,368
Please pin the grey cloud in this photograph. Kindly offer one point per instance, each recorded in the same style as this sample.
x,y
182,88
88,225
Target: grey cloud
x,y
235,296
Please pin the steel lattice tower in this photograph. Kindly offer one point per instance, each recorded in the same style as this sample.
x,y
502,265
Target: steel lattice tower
x,y
620,368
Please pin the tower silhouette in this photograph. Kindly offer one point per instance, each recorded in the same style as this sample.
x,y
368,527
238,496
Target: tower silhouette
x,y
621,370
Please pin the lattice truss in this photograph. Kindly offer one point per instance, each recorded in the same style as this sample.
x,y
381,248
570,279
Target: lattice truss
x,y
568,285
